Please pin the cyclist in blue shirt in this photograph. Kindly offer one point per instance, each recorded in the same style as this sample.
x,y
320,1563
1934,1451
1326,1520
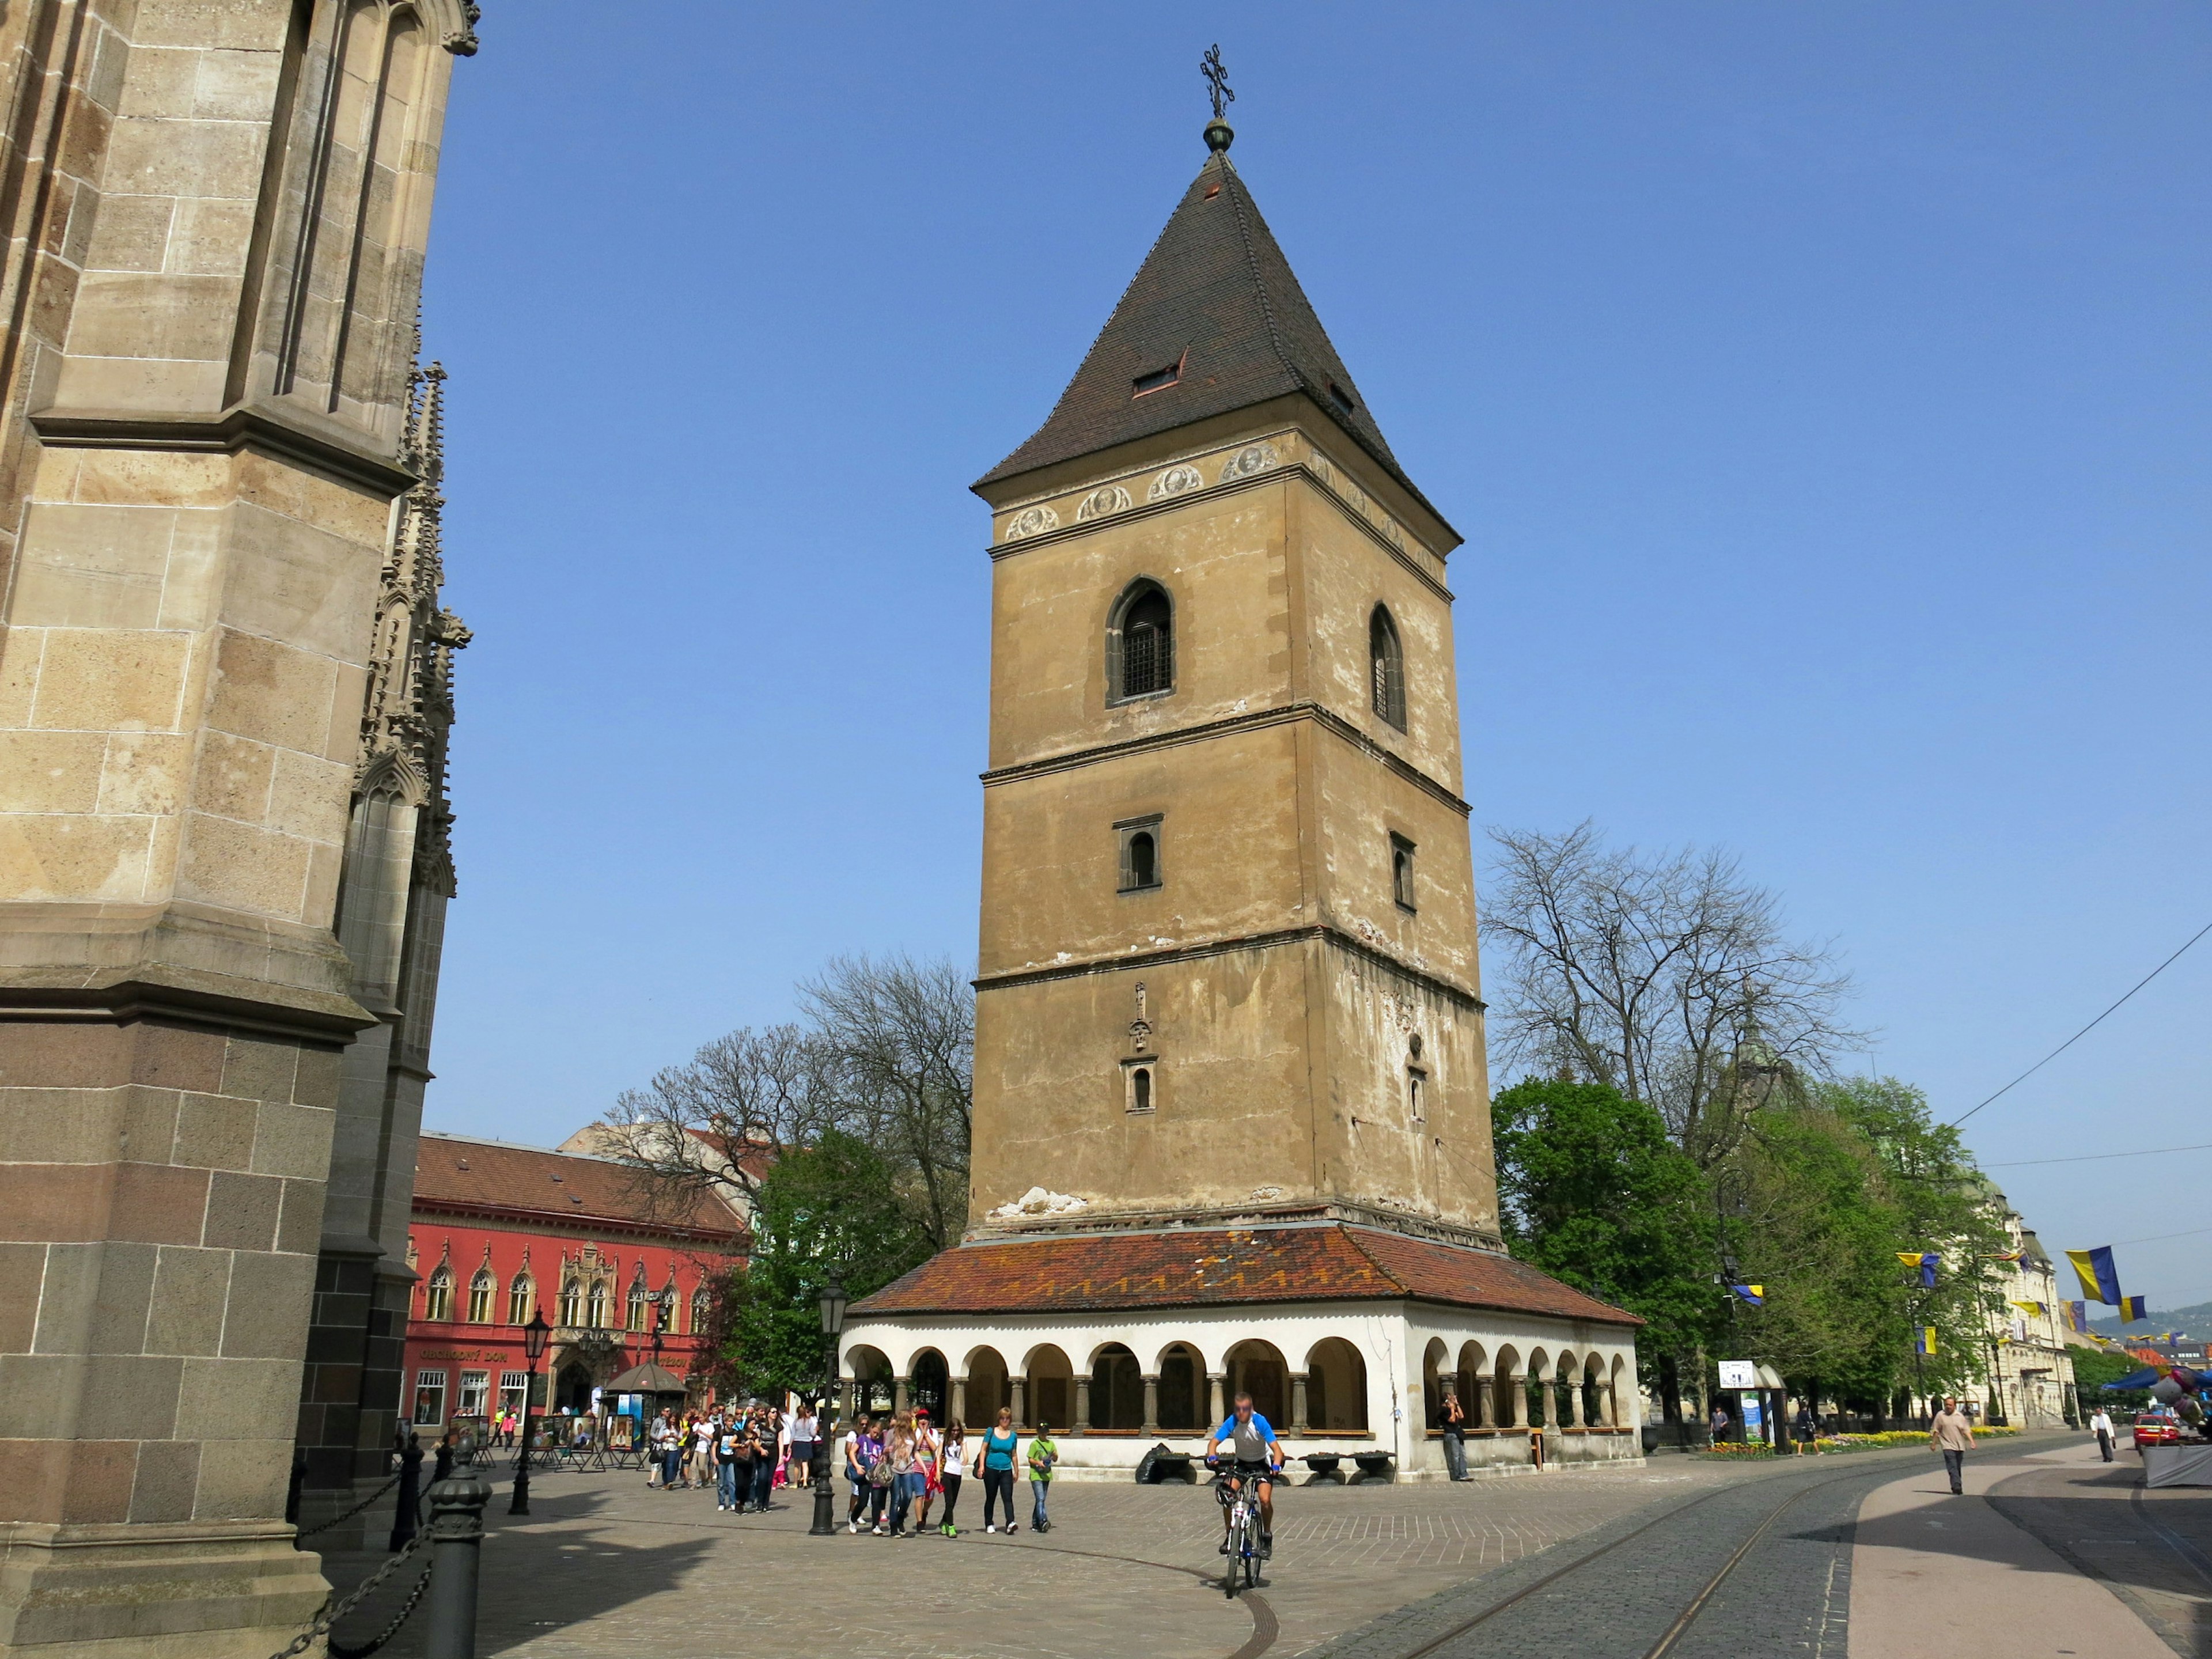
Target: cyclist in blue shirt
x,y
1248,1440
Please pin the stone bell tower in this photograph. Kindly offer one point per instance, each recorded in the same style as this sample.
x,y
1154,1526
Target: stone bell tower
x,y
1228,954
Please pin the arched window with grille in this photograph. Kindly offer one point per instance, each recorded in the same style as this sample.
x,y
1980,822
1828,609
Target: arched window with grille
x,y
438,1294
703,1309
1386,662
572,1302
520,1294
480,1289
1140,643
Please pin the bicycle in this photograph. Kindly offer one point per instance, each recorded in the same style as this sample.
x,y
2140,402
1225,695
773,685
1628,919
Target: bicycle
x,y
1232,1490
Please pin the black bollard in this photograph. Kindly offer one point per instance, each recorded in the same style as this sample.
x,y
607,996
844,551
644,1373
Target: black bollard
x,y
411,1494
457,1508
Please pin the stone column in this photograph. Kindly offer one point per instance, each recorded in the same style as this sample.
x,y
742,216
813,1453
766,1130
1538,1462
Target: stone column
x,y
1152,1404
1020,1402
1082,1422
1214,1380
1482,1413
1298,1402
957,1409
1516,1400
1575,1406
899,1392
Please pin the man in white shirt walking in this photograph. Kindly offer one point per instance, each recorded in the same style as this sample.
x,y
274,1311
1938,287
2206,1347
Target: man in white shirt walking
x,y
2102,1423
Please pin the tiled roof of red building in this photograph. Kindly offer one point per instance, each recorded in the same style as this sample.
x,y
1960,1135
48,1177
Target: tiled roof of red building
x,y
1086,1272
454,1173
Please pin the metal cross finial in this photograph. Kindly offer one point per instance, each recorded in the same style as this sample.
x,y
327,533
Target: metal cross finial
x,y
1216,79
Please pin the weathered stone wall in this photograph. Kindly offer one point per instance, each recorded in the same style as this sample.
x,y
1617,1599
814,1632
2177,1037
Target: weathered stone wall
x,y
215,216
1293,1001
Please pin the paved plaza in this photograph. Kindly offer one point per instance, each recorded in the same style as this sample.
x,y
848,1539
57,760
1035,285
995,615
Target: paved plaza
x,y
604,1565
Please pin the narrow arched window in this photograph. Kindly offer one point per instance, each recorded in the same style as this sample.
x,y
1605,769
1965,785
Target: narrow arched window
x,y
1141,1091
1142,643
598,1305
1386,664
480,1289
1144,859
572,1303
703,1309
519,1296
438,1295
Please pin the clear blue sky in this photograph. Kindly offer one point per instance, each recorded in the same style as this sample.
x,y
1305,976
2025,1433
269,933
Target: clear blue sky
x,y
1822,392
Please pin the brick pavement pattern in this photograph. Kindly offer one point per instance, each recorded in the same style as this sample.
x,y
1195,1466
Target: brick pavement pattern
x,y
604,1565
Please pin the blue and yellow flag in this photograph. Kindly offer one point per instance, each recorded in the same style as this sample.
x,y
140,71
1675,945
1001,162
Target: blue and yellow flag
x,y
2077,1316
2131,1309
2100,1279
1926,1260
2037,1308
1925,1342
1753,1294
2005,1255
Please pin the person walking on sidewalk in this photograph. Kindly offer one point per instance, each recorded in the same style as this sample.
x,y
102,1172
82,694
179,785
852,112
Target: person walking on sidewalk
x,y
2102,1423
952,1465
1043,1454
1455,1427
1000,1443
1952,1433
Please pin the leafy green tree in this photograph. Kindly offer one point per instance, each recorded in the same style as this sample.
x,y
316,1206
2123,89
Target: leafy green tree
x,y
838,1209
2093,1370
1592,1190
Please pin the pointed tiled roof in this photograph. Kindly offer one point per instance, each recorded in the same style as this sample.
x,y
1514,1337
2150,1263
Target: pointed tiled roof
x,y
1217,297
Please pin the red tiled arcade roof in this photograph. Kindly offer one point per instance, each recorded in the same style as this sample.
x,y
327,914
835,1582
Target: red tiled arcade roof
x,y
1081,1273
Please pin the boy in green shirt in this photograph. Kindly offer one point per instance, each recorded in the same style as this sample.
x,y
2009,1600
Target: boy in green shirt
x,y
1043,1454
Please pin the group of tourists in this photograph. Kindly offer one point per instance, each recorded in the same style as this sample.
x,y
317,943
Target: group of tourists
x,y
745,1453
900,1465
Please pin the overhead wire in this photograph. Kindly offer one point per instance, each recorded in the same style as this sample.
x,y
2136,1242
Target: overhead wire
x,y
2086,1030
2091,1158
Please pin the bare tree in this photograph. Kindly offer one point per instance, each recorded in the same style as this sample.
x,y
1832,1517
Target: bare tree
x,y
716,1124
1665,975
902,1034
886,1054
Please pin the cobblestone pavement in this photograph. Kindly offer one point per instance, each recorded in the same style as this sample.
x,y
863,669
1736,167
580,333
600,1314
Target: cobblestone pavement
x,y
605,1566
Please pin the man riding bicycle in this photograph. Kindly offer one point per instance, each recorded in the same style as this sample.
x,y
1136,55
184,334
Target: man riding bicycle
x,y
1247,1440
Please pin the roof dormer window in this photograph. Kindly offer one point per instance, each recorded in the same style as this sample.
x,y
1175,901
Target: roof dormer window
x,y
1158,381
1341,398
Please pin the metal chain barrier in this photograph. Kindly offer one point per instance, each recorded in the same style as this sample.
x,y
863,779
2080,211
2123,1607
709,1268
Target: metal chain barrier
x,y
319,1626
339,1650
349,1514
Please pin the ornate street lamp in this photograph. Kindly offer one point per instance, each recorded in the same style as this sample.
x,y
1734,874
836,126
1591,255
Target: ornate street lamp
x,y
534,1337
833,1323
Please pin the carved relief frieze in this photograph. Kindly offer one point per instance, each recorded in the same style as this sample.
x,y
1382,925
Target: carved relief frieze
x,y
1112,498
1030,522
1176,481
1248,462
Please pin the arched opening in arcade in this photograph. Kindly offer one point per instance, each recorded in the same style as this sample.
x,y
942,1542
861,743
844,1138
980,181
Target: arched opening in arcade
x,y
1336,1388
1182,1402
871,1371
989,1388
1117,1391
1503,1389
1256,1368
929,1384
571,1390
1051,1390
1473,1392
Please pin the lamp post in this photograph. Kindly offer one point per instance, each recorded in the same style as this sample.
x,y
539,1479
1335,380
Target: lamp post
x,y
825,1502
534,1336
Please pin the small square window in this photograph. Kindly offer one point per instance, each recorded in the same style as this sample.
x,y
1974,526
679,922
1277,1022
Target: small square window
x,y
1140,854
1401,872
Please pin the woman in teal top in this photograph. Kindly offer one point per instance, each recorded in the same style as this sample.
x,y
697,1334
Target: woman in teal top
x,y
1001,1446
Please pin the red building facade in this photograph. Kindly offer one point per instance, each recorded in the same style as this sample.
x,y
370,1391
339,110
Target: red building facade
x,y
501,1230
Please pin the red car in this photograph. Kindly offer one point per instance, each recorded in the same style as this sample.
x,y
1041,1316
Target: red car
x,y
2158,1429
